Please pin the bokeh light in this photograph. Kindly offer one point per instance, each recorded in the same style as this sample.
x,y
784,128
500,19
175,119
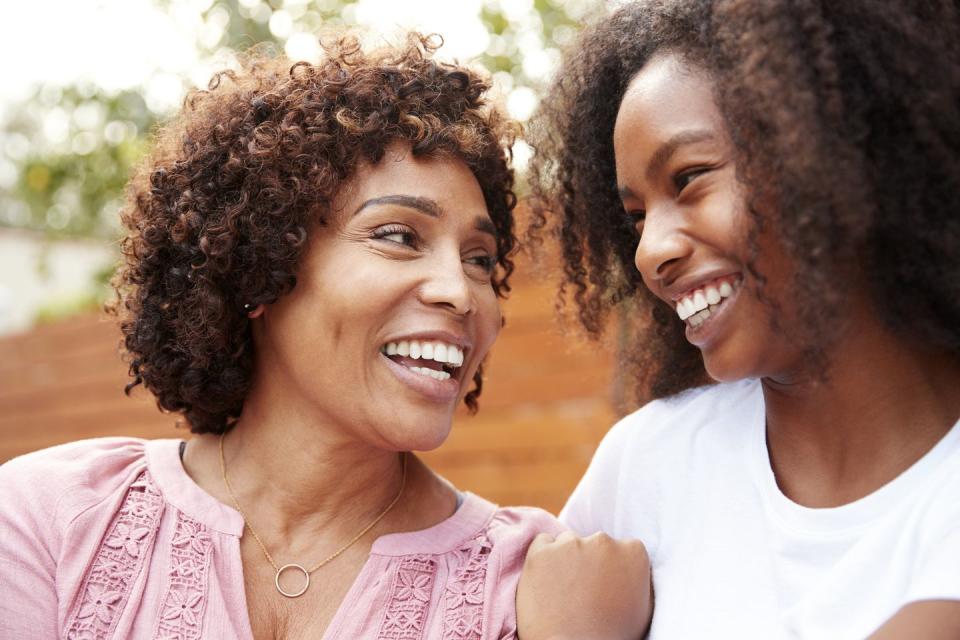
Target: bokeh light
x,y
88,80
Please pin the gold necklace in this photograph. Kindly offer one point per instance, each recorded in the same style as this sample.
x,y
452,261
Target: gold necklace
x,y
296,567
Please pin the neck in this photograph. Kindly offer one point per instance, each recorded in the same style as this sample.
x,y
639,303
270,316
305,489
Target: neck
x,y
305,485
306,481
883,404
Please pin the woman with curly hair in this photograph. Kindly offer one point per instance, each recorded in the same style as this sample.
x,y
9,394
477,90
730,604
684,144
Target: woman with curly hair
x,y
764,192
312,269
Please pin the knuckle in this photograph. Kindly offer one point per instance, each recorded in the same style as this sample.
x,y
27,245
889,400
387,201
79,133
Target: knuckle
x,y
538,546
542,539
566,537
600,538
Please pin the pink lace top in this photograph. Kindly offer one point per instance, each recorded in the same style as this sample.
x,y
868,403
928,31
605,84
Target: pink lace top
x,y
110,538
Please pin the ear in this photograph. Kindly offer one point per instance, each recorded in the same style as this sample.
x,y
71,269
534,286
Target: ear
x,y
256,313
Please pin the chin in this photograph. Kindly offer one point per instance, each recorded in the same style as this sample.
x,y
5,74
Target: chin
x,y
723,368
424,435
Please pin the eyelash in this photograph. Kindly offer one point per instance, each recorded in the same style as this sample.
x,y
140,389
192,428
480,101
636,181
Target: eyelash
x,y
636,217
486,262
409,237
689,175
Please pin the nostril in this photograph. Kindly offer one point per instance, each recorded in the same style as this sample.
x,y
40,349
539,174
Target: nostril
x,y
665,266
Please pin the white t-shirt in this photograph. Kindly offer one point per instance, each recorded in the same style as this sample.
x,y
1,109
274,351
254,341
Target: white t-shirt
x,y
733,557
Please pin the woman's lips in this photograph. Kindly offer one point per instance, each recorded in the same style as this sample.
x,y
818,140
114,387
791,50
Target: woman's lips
x,y
706,325
425,384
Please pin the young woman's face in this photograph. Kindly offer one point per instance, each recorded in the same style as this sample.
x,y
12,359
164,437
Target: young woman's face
x,y
677,179
394,308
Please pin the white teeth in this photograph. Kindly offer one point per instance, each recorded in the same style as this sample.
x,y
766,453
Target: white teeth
x,y
696,308
441,352
699,301
424,371
713,296
698,319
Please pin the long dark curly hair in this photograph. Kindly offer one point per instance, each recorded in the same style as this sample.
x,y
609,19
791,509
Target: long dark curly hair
x,y
218,215
845,117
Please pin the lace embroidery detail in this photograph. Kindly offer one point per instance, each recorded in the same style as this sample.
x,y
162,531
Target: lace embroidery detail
x,y
119,560
405,613
181,611
464,594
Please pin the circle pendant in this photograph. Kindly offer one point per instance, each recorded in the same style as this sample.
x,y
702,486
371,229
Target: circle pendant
x,y
293,567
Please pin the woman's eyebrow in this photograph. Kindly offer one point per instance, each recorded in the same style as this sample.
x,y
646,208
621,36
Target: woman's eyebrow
x,y
419,203
662,155
485,225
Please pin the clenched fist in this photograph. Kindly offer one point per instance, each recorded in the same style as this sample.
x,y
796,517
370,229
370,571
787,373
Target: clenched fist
x,y
584,589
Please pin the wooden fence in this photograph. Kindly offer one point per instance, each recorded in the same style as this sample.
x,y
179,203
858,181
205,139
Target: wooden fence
x,y
545,405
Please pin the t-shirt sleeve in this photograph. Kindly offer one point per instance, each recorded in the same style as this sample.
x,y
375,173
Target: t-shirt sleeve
x,y
593,504
41,494
511,530
936,574
28,598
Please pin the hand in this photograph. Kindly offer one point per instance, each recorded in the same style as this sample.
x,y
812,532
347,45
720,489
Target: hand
x,y
584,588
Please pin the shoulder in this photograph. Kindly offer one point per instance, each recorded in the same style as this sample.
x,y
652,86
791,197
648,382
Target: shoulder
x,y
933,533
677,417
466,568
508,535
705,416
55,505
939,509
500,534
516,527
492,561
648,455
479,522
65,479
84,462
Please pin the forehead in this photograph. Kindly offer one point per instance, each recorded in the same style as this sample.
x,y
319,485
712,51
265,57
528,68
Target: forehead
x,y
446,180
665,98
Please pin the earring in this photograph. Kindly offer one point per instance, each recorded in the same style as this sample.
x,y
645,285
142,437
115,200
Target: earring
x,y
248,307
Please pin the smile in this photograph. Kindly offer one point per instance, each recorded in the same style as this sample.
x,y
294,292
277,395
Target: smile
x,y
697,305
432,358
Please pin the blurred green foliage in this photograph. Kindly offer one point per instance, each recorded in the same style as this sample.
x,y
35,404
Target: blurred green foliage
x,y
66,153
73,149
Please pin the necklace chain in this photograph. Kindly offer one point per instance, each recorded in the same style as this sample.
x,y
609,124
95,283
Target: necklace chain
x,y
332,556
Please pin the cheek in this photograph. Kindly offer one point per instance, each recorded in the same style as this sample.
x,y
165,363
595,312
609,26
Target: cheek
x,y
726,222
489,320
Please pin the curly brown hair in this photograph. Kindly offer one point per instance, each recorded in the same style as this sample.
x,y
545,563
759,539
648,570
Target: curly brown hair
x,y
845,117
218,215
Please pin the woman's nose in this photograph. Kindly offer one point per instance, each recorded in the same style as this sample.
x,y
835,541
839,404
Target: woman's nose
x,y
663,245
447,285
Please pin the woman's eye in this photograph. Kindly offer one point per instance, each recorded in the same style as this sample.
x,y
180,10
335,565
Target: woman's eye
x,y
396,234
681,180
485,262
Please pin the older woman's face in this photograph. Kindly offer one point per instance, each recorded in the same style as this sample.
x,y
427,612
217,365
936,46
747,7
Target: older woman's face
x,y
394,308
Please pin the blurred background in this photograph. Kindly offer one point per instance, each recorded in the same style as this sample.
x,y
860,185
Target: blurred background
x,y
85,82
